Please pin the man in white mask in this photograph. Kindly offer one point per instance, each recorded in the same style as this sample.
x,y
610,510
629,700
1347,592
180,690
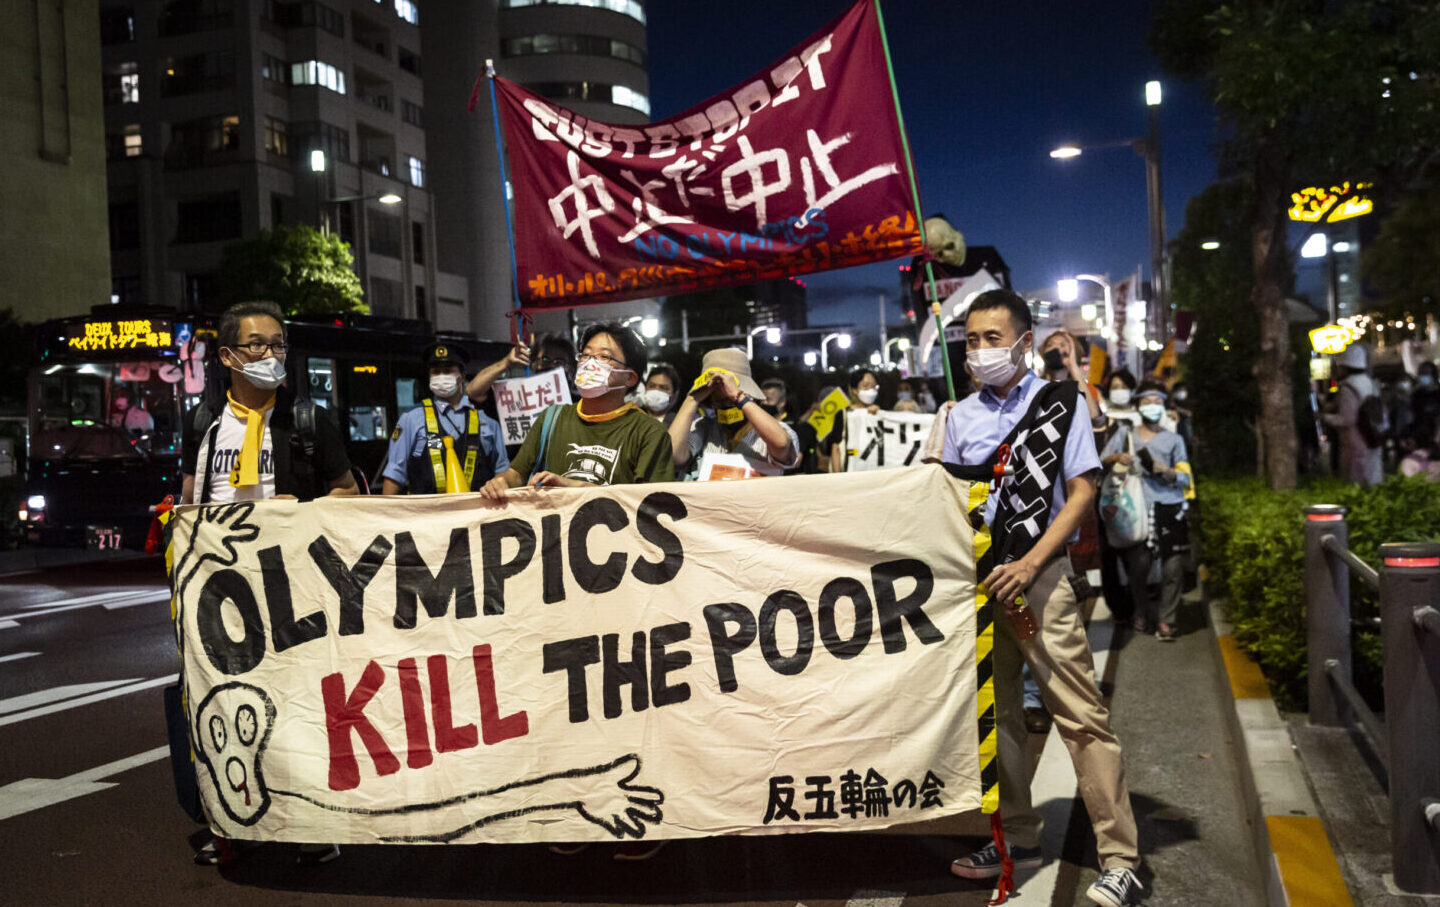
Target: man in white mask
x,y
255,449
998,333
250,449
446,444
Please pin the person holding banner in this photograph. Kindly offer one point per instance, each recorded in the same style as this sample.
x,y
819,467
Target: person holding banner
x,y
723,418
256,449
864,391
602,439
446,444
1034,515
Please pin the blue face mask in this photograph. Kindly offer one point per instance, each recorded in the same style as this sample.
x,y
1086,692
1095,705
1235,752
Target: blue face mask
x,y
1151,412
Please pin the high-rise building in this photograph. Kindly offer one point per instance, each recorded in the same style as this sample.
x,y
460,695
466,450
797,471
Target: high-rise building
x,y
588,55
52,196
227,117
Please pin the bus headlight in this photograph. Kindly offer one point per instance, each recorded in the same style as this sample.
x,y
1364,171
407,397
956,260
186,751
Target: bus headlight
x,y
35,502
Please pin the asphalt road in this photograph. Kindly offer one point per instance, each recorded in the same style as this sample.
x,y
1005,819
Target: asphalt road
x,y
88,812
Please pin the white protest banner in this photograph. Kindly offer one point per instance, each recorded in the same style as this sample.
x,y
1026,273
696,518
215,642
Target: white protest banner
x,y
885,439
666,661
520,401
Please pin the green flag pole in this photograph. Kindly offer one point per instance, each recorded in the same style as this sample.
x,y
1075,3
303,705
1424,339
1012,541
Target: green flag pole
x,y
920,219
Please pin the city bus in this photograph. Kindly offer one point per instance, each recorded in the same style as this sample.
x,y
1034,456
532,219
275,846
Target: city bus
x,y
108,392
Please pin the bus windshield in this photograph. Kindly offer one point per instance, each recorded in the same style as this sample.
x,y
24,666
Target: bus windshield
x,y
105,410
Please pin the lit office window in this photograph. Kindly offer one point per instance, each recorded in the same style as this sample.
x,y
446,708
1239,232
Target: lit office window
x,y
406,10
133,144
630,8
417,171
314,72
629,97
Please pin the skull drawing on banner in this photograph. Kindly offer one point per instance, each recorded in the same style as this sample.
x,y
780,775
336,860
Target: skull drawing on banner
x,y
232,727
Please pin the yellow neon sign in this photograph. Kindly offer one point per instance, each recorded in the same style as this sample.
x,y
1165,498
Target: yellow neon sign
x,y
1315,203
367,369
135,334
1330,339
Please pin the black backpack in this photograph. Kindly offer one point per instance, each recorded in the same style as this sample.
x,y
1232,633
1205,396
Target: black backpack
x,y
1372,422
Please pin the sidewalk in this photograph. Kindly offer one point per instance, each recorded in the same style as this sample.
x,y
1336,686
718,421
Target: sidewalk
x,y
1183,770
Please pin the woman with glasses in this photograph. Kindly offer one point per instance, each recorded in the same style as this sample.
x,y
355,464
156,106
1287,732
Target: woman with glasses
x,y
601,439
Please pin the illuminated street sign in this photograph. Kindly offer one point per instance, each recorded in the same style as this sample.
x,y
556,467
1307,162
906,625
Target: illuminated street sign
x,y
1330,339
106,335
1314,203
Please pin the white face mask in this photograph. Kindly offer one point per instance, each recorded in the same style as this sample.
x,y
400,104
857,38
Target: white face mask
x,y
1151,412
904,395
655,400
592,378
444,386
995,366
868,396
1120,396
266,374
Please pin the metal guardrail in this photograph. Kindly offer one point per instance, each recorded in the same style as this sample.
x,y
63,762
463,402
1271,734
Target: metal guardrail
x,y
1408,740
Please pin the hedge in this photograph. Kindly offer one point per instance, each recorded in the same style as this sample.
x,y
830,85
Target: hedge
x,y
1252,543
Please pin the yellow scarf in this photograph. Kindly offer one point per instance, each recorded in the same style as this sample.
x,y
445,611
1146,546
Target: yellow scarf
x,y
615,413
247,465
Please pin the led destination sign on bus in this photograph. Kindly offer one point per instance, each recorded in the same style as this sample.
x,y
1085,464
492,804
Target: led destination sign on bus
x,y
136,334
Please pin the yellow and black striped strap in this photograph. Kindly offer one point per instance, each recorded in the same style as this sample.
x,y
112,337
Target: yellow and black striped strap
x,y
984,653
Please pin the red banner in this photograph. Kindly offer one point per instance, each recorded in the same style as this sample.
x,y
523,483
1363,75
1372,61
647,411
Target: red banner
x,y
799,169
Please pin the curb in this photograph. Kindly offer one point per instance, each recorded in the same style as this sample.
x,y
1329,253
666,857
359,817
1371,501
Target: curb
x,y
1285,823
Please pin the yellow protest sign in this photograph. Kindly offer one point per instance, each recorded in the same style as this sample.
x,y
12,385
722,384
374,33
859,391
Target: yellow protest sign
x,y
823,419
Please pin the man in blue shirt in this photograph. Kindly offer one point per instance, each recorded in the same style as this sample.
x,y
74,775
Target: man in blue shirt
x,y
998,333
445,441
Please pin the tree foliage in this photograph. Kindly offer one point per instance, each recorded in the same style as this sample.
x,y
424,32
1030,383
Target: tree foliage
x,y
1214,284
297,267
1309,92
1402,264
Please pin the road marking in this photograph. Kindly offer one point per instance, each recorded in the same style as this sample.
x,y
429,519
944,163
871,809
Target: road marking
x,y
97,597
867,898
30,794
110,601
56,694
17,656
132,687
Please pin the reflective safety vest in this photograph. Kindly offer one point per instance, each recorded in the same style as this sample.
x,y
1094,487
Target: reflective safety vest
x,y
425,474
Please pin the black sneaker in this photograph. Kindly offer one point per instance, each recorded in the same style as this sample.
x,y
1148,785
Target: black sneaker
x,y
1116,888
1037,720
317,854
985,862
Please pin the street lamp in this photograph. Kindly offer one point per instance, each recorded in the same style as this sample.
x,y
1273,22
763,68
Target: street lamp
x,y
1068,289
1149,149
900,343
811,357
842,340
649,327
772,337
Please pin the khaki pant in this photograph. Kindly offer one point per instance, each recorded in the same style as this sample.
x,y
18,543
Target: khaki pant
x,y
1060,661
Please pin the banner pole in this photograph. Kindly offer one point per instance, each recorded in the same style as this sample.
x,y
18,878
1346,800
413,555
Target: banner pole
x,y
505,203
915,194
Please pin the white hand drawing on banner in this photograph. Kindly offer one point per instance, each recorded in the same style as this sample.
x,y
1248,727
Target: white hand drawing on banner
x,y
584,213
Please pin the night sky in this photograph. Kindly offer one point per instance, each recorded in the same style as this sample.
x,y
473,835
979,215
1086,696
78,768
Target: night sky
x,y
987,90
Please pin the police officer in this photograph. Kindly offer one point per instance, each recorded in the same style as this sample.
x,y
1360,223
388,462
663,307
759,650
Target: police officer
x,y
445,443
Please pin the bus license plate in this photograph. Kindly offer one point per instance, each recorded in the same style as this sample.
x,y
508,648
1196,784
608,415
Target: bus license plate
x,y
103,538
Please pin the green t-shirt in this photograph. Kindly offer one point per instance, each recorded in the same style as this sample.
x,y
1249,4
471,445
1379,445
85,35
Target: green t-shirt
x,y
632,448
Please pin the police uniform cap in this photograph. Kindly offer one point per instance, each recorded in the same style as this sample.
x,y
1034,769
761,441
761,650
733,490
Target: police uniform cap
x,y
446,354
